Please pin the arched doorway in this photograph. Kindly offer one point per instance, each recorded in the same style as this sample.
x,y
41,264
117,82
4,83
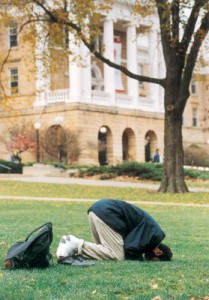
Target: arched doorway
x,y
128,145
150,145
104,146
55,143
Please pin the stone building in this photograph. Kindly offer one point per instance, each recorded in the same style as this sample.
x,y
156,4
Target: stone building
x,y
115,118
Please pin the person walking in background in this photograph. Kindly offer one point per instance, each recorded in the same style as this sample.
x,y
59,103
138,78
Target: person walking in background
x,y
156,157
120,231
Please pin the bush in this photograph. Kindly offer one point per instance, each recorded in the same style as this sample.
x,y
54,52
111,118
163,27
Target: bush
x,y
16,168
143,171
196,156
131,169
140,170
194,174
94,170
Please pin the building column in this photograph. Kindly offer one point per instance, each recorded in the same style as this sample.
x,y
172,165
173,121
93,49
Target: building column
x,y
154,94
86,73
109,73
117,155
42,57
132,63
74,68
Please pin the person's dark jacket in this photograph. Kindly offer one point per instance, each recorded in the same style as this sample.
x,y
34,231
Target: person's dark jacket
x,y
139,230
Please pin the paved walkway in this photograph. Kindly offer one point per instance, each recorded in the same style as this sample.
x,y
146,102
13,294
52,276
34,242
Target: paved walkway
x,y
69,180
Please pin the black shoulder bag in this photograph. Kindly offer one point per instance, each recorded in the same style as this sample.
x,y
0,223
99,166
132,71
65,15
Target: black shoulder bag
x,y
34,252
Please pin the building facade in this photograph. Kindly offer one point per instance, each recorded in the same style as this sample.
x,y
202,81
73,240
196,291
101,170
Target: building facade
x,y
116,118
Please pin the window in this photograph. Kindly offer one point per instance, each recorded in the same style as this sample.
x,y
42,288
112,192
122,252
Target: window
x,y
13,35
140,72
99,44
14,81
117,38
97,80
193,87
194,117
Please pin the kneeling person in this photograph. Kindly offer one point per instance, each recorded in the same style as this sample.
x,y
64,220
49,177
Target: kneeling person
x,y
120,231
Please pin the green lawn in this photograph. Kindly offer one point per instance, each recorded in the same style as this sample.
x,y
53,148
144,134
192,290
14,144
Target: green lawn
x,y
185,277
17,188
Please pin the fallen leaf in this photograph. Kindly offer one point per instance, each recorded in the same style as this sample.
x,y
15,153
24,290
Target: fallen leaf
x,y
154,286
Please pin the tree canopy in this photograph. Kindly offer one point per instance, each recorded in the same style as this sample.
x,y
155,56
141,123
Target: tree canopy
x,y
184,25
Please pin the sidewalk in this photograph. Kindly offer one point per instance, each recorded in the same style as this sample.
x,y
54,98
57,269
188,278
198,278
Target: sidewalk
x,y
82,181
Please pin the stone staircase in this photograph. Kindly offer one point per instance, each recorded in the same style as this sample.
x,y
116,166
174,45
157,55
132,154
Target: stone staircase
x,y
40,170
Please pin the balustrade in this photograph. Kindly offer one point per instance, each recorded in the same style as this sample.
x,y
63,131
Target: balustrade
x,y
98,98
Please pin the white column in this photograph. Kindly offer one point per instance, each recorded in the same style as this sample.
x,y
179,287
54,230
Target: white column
x,y
161,74
42,57
154,93
86,73
131,44
109,73
74,68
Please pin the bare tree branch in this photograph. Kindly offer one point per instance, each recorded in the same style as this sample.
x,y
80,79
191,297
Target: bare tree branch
x,y
189,30
192,57
165,25
175,20
1,70
198,40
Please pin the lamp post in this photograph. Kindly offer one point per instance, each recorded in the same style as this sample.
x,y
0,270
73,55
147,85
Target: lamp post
x,y
103,146
37,126
58,121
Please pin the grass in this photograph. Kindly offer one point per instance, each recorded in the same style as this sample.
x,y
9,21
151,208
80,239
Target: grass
x,y
16,188
185,277
197,183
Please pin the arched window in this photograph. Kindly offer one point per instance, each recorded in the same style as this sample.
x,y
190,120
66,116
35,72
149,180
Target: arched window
x,y
97,80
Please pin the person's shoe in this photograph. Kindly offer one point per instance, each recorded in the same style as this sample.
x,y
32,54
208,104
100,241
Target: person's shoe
x,y
77,261
68,246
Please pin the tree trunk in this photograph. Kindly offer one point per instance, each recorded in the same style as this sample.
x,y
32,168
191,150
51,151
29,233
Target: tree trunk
x,y
173,172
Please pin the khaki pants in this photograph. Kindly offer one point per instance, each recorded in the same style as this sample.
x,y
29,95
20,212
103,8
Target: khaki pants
x,y
108,244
